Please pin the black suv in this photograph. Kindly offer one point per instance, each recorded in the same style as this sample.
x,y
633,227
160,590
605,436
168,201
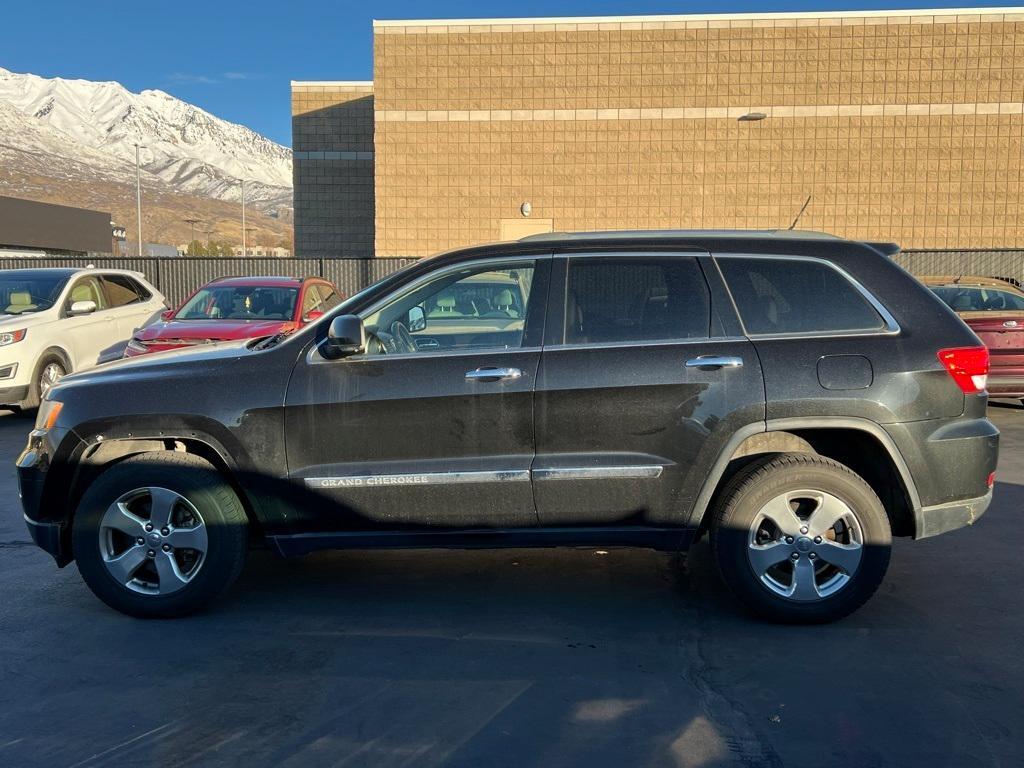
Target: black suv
x,y
797,396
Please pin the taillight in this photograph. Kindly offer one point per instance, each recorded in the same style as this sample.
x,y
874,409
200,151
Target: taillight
x,y
968,366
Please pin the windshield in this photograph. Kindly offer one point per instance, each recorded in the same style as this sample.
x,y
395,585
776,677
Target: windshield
x,y
22,294
970,298
240,302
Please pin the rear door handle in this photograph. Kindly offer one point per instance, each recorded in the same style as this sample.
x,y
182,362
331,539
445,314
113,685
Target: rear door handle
x,y
493,374
711,361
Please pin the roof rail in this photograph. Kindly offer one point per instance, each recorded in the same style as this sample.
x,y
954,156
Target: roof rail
x,y
677,234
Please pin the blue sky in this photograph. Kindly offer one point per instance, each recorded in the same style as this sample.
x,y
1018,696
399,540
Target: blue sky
x,y
235,58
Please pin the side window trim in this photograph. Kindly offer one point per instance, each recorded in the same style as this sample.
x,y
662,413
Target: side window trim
x,y
892,327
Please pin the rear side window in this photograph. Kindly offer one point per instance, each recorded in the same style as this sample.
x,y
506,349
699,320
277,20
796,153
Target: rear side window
x,y
122,290
796,296
635,299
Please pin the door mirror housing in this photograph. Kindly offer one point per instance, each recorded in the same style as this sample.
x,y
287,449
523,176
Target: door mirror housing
x,y
417,319
82,308
167,314
345,337
312,315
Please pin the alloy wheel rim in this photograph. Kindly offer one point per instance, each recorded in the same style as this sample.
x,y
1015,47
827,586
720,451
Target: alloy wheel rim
x,y
805,545
153,541
50,375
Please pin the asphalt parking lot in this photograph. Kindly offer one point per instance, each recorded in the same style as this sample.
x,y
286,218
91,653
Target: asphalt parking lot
x,y
519,658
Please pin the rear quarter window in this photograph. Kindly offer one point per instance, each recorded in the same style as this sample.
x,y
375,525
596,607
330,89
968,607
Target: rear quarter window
x,y
782,296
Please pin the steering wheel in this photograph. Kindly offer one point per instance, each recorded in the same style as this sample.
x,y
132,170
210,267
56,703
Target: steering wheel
x,y
402,339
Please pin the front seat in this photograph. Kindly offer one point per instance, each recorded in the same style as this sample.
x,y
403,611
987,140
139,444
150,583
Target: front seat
x,y
84,292
21,301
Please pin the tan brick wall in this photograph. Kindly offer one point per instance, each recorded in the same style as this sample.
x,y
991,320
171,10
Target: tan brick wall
x,y
332,140
899,128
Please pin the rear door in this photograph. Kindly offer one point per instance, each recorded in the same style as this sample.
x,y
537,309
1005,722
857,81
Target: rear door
x,y
643,379
410,436
129,306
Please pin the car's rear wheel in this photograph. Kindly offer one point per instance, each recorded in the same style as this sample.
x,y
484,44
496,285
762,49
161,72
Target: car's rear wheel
x,y
800,538
160,535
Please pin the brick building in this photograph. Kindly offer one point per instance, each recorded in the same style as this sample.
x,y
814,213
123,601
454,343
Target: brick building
x,y
905,126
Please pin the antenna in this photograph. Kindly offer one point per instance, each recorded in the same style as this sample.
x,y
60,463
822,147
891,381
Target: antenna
x,y
806,203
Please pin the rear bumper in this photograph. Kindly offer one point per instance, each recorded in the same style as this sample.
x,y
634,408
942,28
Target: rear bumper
x,y
942,518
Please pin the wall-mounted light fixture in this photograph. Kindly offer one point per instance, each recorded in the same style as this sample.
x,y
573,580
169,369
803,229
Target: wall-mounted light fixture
x,y
752,117
525,209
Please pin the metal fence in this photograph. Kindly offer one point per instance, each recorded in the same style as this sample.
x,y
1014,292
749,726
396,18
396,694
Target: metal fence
x,y
178,277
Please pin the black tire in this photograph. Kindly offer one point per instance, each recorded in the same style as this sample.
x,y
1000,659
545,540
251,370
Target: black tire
x,y
741,504
200,485
35,387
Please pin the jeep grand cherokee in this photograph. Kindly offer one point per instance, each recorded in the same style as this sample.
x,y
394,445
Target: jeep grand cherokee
x,y
797,396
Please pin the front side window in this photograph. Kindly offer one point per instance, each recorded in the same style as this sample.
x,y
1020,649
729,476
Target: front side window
x,y
312,301
87,289
240,302
783,296
24,293
972,298
611,300
474,307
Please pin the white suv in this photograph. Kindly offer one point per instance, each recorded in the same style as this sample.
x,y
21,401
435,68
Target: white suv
x,y
55,321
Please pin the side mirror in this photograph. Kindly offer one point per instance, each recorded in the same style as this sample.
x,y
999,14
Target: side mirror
x,y
312,315
417,319
346,336
167,314
82,308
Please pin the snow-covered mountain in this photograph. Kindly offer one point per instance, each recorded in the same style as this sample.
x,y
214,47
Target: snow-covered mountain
x,y
74,126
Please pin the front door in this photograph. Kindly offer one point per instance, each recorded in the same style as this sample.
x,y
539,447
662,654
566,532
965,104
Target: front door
x,y
640,384
431,428
88,336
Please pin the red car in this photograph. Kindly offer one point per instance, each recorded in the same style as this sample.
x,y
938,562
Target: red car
x,y
233,308
994,309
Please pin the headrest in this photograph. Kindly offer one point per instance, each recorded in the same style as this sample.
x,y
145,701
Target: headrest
x,y
447,301
504,298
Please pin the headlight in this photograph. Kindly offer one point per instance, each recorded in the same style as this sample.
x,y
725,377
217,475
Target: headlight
x,y
10,337
136,346
47,414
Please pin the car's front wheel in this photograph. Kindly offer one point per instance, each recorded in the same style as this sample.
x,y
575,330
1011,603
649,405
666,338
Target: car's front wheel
x,y
160,535
800,538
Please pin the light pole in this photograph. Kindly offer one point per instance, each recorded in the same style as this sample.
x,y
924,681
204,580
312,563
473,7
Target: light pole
x,y
193,223
138,193
243,218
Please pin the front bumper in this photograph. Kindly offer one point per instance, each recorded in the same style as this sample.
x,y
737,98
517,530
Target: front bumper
x,y
13,395
48,533
942,518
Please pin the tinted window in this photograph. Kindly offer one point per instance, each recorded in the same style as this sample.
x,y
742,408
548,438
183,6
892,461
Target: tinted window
x,y
312,300
796,296
122,290
331,299
964,298
635,299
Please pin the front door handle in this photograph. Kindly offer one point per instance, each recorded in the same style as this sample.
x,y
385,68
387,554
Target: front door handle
x,y
493,374
711,361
